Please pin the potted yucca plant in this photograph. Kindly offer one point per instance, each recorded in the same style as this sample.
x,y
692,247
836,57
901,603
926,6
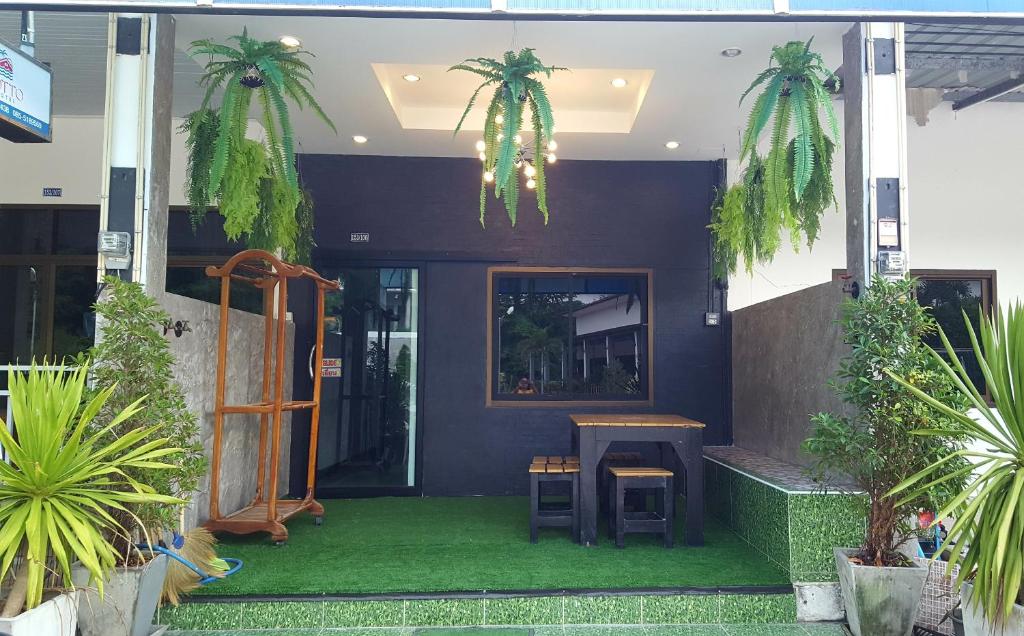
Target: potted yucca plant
x,y
59,494
503,150
987,536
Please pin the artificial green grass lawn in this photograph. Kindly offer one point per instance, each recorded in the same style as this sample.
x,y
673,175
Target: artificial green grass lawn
x,y
368,546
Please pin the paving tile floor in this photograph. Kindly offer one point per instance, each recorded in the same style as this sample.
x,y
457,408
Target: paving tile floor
x,y
815,629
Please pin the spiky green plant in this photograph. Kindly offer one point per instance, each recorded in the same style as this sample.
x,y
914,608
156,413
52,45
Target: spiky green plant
x,y
63,484
270,74
515,88
988,533
792,183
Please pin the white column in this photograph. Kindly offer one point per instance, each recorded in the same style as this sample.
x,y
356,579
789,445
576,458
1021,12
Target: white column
x,y
875,141
136,144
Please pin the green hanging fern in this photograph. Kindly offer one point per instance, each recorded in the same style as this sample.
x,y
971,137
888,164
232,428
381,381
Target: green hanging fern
x,y
201,127
791,186
515,87
256,202
273,72
741,224
240,190
276,225
304,243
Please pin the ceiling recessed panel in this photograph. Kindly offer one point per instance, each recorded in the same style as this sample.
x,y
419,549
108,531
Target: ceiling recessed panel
x,y
584,99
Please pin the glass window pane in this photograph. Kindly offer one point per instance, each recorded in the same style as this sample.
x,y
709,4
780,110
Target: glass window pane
x,y
948,300
368,415
570,337
193,282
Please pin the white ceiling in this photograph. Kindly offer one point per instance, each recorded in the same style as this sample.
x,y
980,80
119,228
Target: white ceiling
x,y
681,87
692,97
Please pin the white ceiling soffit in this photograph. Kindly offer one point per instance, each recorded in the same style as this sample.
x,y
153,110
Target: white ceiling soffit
x,y
587,101
683,89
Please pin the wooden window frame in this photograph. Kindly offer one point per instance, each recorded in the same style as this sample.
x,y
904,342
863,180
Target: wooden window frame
x,y
492,402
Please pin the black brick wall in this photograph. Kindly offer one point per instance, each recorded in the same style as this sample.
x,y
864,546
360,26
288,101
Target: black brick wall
x,y
603,213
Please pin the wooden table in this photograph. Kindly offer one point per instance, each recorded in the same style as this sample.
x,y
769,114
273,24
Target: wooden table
x,y
674,434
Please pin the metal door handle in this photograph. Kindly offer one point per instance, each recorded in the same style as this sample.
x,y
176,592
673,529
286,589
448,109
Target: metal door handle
x,y
312,351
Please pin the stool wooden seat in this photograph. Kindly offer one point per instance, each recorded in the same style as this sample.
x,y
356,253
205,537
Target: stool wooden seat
x,y
620,522
549,469
628,458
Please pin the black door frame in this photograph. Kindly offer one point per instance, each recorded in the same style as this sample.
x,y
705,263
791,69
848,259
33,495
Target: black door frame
x,y
303,385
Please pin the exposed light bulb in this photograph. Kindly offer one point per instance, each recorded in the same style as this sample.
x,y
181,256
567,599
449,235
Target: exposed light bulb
x,y
488,176
552,145
531,184
671,145
483,156
290,41
552,158
529,170
499,119
411,77
619,82
481,146
359,139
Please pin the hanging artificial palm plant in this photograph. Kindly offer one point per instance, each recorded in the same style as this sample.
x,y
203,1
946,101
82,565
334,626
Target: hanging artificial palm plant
x,y
791,186
255,183
503,150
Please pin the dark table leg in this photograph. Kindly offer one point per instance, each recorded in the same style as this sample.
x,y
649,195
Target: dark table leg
x,y
591,451
691,452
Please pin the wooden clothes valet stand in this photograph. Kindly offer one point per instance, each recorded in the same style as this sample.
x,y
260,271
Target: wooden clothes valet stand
x,y
266,513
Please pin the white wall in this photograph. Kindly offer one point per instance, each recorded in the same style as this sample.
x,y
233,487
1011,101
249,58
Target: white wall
x,y
74,162
966,189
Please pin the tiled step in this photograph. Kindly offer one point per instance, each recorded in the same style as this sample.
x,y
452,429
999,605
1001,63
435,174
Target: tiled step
x,y
559,609
812,629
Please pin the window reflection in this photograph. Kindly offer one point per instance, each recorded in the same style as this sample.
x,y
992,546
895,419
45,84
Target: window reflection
x,y
570,336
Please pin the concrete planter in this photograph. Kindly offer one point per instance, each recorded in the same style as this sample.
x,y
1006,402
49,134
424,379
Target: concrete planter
x,y
975,623
130,598
55,617
879,601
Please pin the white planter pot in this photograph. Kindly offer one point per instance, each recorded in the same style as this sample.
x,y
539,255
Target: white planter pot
x,y
879,601
130,598
55,617
975,623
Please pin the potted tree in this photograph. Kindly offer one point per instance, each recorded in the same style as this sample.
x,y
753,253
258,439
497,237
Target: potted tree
x,y
987,537
63,481
871,445
133,357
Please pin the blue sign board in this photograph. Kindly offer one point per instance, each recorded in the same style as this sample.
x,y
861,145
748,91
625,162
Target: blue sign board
x,y
25,98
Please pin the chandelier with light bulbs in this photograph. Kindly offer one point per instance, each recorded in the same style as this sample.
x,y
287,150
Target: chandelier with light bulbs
x,y
526,155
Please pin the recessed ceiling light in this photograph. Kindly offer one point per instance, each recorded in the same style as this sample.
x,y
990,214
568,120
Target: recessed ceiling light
x,y
290,41
732,51
671,145
619,82
411,77
359,139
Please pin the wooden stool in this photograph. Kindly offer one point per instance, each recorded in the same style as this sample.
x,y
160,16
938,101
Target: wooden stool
x,y
546,469
629,458
659,521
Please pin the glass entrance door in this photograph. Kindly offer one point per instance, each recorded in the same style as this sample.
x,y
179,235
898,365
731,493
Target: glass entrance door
x,y
368,413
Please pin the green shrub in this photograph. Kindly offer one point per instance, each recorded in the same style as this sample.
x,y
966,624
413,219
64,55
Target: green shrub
x,y
133,357
873,444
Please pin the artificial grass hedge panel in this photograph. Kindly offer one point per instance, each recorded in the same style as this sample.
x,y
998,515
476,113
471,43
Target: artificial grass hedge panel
x,y
369,546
